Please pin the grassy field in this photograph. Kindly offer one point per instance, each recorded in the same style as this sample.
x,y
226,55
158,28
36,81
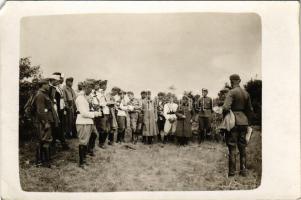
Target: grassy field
x,y
144,168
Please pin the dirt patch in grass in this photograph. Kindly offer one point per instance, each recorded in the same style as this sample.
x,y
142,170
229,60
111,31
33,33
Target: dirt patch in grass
x,y
144,168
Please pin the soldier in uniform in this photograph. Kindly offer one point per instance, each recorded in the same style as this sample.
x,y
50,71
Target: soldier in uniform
x,y
69,97
112,98
204,109
43,120
161,119
105,125
122,109
134,108
140,117
94,106
61,108
84,121
237,100
57,128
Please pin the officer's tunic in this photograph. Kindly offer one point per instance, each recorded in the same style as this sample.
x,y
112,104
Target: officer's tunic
x,y
43,116
238,100
205,113
84,121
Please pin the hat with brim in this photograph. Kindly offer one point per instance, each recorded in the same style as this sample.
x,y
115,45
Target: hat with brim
x,y
55,77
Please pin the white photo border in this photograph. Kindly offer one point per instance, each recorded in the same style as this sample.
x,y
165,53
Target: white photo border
x,y
281,93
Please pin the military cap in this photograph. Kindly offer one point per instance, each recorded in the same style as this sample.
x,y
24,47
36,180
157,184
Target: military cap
x,y
117,89
43,81
224,90
234,77
69,79
130,92
88,83
143,92
204,89
57,73
103,83
161,94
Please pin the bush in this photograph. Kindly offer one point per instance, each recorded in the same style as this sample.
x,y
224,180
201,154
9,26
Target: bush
x,y
254,87
28,79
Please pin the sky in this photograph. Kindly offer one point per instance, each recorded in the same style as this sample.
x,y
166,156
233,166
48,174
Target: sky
x,y
135,52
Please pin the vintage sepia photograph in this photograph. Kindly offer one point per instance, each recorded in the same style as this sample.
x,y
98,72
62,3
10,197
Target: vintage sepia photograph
x,y
113,102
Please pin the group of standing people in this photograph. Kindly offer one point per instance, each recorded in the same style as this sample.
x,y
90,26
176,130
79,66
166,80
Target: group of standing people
x,y
91,112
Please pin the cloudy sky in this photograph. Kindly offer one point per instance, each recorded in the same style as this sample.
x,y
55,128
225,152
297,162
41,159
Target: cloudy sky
x,y
147,51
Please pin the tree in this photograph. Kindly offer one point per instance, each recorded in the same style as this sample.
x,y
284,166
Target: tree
x,y
28,79
254,88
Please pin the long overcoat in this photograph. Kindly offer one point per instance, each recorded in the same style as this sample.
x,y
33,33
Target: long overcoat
x,y
149,110
184,124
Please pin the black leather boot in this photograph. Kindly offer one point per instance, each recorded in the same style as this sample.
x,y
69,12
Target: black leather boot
x,y
91,144
39,155
164,140
232,161
46,151
81,155
243,162
111,138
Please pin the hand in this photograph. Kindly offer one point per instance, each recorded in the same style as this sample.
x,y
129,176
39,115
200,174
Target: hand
x,y
97,114
47,126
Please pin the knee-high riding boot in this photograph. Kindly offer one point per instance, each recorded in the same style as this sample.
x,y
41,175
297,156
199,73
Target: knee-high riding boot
x,y
232,161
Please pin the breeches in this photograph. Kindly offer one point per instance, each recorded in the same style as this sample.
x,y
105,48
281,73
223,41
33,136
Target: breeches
x,y
44,136
237,136
204,123
84,132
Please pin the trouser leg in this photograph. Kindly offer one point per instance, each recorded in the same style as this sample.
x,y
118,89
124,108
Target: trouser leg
x,y
91,144
242,143
232,160
111,137
46,155
81,155
39,155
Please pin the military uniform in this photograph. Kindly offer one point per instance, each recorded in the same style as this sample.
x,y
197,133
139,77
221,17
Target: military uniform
x,y
84,125
161,118
204,108
43,121
121,119
69,97
238,100
104,126
134,108
112,117
57,125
